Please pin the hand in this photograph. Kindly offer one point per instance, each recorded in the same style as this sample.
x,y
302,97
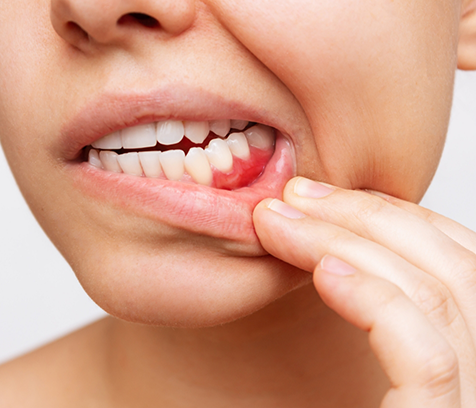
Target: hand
x,y
399,271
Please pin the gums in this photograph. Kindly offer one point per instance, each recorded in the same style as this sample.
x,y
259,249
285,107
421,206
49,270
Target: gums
x,y
244,172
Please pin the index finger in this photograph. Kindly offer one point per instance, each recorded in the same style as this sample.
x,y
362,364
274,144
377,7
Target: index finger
x,y
457,232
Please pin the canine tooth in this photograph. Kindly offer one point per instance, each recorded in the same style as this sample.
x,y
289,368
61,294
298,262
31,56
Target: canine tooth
x,y
239,145
109,161
169,132
197,165
93,159
219,155
139,136
172,162
111,141
220,127
150,162
238,124
130,164
196,132
260,136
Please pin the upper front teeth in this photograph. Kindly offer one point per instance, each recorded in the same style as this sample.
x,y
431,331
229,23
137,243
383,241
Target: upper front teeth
x,y
169,132
112,141
166,132
139,136
196,132
220,127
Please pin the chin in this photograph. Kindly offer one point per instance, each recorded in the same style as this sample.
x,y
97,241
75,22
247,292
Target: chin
x,y
188,291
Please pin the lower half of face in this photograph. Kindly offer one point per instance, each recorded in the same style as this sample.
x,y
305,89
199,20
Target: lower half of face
x,y
143,150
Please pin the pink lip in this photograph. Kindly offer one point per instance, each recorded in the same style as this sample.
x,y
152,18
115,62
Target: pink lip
x,y
198,209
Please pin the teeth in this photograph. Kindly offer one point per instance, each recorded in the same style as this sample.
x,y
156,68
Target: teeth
x,y
109,161
170,132
220,127
150,162
139,136
94,160
239,145
260,136
196,132
219,155
111,141
172,162
130,164
238,124
197,165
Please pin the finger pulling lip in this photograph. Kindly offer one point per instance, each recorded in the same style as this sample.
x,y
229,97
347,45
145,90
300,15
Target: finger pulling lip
x,y
199,209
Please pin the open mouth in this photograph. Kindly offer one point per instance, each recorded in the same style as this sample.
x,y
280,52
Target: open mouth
x,y
225,154
176,158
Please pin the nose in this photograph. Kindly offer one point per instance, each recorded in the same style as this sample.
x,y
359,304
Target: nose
x,y
111,22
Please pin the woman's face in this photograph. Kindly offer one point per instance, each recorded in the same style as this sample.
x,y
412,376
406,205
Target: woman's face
x,y
359,93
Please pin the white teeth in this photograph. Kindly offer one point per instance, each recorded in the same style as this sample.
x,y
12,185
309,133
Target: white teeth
x,y
196,132
139,136
220,127
197,165
238,124
239,145
130,164
93,159
219,155
150,162
111,141
260,136
172,162
170,132
109,161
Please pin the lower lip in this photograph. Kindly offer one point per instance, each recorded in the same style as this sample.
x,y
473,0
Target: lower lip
x,y
199,209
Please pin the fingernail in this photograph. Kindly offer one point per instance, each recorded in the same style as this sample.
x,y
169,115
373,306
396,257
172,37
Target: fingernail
x,y
311,189
285,209
336,266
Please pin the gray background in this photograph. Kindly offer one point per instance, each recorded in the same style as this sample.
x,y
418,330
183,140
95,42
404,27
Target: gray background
x,y
40,299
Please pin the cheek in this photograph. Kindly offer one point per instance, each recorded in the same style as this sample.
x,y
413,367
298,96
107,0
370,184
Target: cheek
x,y
32,103
374,78
25,46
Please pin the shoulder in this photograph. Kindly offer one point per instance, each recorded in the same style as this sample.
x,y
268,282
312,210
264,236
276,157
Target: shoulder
x,y
66,372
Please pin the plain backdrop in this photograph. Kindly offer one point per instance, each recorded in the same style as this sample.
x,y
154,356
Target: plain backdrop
x,y
40,298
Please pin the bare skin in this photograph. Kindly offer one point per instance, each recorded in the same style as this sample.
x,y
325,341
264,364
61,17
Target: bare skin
x,y
374,119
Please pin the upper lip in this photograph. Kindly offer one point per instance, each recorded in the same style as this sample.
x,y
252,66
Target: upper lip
x,y
109,112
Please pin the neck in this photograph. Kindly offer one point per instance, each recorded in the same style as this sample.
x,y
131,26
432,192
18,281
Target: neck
x,y
295,352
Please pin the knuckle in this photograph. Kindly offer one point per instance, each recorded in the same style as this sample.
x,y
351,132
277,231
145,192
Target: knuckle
x,y
430,216
368,207
437,303
338,239
439,373
465,268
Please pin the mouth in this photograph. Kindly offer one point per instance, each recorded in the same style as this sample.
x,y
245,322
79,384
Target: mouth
x,y
225,154
169,163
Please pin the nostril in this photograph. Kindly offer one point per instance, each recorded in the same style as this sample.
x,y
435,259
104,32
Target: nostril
x,y
142,19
